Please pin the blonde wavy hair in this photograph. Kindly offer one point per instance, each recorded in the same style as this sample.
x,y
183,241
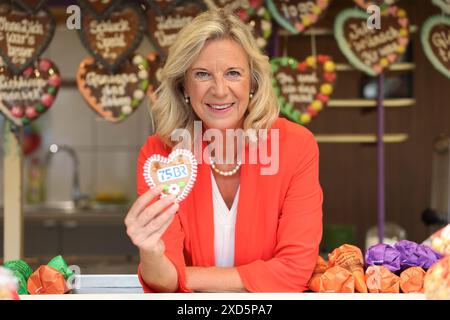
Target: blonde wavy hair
x,y
171,112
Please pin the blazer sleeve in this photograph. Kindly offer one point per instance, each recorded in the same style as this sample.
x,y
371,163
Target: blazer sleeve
x,y
299,232
174,236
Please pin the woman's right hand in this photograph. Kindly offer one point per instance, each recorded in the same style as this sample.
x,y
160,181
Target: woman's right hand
x,y
146,224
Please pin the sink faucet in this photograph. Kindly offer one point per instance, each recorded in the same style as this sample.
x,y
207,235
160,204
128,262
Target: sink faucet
x,y
77,197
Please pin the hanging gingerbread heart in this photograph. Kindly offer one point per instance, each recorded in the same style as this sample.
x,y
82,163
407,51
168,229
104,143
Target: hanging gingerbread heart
x,y
443,4
435,39
303,88
113,39
297,15
99,8
156,65
114,96
230,5
25,97
381,3
24,36
164,21
372,50
176,174
30,6
254,14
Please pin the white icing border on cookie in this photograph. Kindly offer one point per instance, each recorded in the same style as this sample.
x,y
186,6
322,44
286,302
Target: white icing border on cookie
x,y
157,157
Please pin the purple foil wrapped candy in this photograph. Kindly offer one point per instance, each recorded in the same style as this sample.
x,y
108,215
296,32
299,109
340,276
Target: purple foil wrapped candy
x,y
383,255
416,255
408,253
426,256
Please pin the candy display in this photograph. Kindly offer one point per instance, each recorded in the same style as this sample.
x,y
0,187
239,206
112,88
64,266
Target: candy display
x,y
176,174
437,280
440,241
51,278
380,280
350,258
8,285
411,280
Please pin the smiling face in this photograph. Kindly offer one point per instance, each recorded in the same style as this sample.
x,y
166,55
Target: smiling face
x,y
218,84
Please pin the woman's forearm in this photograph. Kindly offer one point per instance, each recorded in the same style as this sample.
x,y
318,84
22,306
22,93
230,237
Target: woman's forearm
x,y
213,279
158,272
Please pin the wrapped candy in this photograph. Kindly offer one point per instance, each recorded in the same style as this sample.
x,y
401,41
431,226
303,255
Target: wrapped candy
x,y
337,279
383,255
22,271
380,280
8,285
411,280
437,280
50,278
416,255
316,280
350,258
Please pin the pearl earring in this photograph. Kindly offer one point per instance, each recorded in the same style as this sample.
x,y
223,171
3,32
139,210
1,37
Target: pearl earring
x,y
251,95
186,99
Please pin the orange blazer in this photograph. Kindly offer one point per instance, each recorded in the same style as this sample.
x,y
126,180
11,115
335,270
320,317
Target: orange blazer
x,y
279,217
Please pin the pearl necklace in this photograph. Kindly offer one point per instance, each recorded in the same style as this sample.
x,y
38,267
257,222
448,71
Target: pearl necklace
x,y
224,173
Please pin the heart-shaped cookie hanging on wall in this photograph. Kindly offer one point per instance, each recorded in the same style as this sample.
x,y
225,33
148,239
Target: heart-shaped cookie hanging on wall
x,y
25,97
176,174
443,4
99,8
30,6
372,51
113,39
166,18
381,3
303,88
435,39
297,15
254,14
24,36
114,96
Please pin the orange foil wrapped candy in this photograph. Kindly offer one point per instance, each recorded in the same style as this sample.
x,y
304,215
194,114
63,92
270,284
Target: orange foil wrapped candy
x,y
47,280
337,279
411,280
380,280
316,279
437,280
350,258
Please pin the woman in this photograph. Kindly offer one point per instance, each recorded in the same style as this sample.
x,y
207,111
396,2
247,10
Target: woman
x,y
238,230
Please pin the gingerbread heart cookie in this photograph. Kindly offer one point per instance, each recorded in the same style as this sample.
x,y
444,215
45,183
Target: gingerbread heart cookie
x,y
303,87
435,39
25,97
24,36
166,18
443,4
176,173
372,51
114,38
114,96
